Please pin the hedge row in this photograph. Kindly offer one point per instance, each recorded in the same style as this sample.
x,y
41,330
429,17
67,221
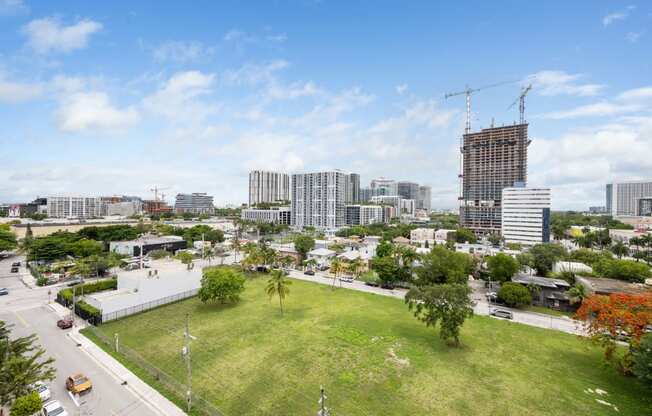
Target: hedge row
x,y
64,296
88,312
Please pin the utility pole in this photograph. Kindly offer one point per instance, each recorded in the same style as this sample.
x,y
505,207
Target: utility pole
x,y
188,364
323,410
202,246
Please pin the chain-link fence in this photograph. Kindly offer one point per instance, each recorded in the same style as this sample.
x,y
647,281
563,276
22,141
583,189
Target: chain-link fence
x,y
106,317
170,384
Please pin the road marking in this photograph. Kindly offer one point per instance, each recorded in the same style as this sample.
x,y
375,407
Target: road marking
x,y
22,321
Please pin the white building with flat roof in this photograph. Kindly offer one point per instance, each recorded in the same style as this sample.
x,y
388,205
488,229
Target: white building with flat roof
x,y
74,207
269,187
274,215
632,198
319,199
526,215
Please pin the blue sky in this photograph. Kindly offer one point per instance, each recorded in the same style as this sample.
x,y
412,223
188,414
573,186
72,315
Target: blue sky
x,y
115,97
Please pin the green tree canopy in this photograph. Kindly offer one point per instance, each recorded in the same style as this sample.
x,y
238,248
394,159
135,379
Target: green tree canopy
x,y
629,270
8,240
27,405
446,304
642,360
545,255
444,266
22,363
303,244
464,235
514,294
222,284
502,267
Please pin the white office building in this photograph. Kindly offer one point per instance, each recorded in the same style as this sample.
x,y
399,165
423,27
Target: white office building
x,y
629,198
268,187
401,206
125,209
74,207
384,186
274,215
526,215
319,199
195,203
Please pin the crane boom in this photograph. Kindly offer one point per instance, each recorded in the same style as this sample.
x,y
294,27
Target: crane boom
x,y
468,91
521,101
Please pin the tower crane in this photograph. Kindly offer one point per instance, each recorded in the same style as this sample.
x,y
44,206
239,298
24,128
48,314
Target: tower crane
x,y
467,92
521,105
156,189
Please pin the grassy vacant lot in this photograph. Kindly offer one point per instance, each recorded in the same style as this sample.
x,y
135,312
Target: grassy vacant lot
x,y
373,358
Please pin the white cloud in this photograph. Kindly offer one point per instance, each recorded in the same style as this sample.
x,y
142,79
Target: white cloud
x,y
636,94
578,164
278,91
616,16
550,83
177,98
13,7
600,109
280,38
93,111
253,74
401,89
181,52
15,92
49,35
633,37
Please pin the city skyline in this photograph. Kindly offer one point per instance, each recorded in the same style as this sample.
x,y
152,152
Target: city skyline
x,y
282,90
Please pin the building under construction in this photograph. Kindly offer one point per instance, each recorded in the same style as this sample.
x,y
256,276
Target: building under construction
x,y
492,159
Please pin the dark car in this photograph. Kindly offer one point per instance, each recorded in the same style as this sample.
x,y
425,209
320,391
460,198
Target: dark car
x,y
14,269
73,282
309,272
3,291
16,264
64,323
502,313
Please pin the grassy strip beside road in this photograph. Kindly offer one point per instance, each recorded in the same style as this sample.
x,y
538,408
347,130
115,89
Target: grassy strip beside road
x,y
373,357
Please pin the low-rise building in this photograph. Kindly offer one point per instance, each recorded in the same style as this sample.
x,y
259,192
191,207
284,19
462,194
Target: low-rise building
x,y
625,235
322,256
606,286
274,215
170,243
423,236
441,236
125,209
551,293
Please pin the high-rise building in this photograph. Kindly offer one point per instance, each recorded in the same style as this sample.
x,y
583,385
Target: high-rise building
x,y
526,215
274,215
401,206
195,203
408,190
268,187
384,186
319,199
628,198
424,201
354,188
74,207
365,194
493,159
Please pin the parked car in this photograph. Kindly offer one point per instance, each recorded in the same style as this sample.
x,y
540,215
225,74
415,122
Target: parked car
x,y
15,264
78,383
323,268
309,272
491,296
64,323
14,269
346,279
502,313
73,282
43,391
3,291
53,408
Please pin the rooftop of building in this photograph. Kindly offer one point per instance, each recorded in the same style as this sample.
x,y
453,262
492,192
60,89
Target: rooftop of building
x,y
540,281
153,240
605,285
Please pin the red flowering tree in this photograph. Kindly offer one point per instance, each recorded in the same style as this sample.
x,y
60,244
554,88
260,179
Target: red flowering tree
x,y
617,317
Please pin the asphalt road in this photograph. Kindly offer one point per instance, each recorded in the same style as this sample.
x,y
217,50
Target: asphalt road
x,y
27,310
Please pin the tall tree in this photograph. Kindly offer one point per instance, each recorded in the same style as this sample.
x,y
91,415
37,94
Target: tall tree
x,y
502,267
446,304
277,285
303,244
8,240
337,267
22,363
545,255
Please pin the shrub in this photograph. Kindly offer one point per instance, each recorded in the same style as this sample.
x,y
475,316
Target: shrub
x,y
221,284
26,405
628,270
65,296
158,254
642,360
502,267
41,281
514,294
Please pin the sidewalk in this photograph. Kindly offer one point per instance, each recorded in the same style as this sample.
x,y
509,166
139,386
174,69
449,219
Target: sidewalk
x,y
139,388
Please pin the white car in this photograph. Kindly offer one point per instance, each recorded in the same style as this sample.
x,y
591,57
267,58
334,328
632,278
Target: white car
x,y
54,408
43,391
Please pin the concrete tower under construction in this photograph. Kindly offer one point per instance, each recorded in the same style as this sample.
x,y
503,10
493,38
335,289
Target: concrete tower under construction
x,y
492,159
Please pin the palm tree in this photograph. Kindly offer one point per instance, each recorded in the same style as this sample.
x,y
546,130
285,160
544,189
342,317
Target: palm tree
x,y
620,249
277,285
219,252
337,267
356,267
208,254
81,268
577,293
286,260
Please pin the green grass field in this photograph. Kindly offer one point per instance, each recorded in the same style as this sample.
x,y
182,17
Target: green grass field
x,y
373,358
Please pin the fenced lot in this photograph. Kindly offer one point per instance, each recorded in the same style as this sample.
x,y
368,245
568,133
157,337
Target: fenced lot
x,y
373,358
